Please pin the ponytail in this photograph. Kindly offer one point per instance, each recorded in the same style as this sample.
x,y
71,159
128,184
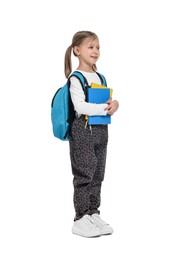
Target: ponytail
x,y
67,62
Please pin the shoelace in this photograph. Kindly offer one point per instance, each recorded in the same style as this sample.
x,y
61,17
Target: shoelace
x,y
97,218
88,221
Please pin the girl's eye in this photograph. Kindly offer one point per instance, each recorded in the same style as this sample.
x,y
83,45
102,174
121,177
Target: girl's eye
x,y
91,47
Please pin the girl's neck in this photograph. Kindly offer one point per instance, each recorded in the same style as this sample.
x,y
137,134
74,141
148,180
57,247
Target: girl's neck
x,y
85,69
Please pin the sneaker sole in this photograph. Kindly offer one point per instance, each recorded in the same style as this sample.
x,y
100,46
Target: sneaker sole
x,y
79,233
106,233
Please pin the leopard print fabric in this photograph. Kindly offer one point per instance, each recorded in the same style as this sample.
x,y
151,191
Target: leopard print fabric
x,y
88,149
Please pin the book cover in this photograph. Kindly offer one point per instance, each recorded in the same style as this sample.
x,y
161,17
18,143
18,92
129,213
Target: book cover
x,y
95,85
98,96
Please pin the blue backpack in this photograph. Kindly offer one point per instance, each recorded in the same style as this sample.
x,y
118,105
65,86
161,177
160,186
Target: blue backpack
x,y
62,109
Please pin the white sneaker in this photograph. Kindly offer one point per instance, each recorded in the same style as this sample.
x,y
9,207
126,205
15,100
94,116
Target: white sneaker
x,y
105,228
85,227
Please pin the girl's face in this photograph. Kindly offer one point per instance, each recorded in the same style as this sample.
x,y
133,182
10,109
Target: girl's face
x,y
88,52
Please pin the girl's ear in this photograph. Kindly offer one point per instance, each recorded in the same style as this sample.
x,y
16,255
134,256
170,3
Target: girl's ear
x,y
76,50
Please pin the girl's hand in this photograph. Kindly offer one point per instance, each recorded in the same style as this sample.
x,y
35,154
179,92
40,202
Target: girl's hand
x,y
112,106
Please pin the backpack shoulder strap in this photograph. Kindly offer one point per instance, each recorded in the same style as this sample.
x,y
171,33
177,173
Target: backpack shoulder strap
x,y
83,80
102,79
80,77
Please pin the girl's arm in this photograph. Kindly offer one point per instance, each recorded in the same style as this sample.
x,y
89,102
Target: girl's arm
x,y
80,105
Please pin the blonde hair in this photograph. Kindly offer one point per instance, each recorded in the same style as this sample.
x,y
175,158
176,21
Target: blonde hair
x,y
78,38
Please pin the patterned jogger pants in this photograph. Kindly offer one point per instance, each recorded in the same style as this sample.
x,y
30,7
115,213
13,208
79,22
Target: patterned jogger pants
x,y
88,149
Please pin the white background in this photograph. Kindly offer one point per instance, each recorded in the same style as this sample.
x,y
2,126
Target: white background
x,y
141,57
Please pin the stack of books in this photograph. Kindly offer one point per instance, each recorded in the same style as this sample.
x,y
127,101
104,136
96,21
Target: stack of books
x,y
98,94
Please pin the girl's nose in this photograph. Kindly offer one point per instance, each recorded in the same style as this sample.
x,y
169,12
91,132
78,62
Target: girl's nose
x,y
96,50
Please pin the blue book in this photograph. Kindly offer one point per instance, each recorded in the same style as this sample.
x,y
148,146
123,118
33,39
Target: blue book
x,y
98,96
